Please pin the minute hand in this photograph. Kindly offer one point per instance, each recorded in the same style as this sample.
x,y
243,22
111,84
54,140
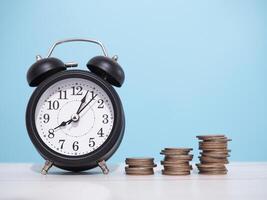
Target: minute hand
x,y
86,105
82,102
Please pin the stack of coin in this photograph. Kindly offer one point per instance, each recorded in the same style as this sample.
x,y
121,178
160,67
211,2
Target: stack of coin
x,y
139,166
176,161
214,154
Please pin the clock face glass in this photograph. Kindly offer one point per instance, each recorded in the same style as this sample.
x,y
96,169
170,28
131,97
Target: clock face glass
x,y
74,116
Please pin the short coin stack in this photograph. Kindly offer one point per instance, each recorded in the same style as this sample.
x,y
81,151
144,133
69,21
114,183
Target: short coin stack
x,y
176,161
214,154
139,166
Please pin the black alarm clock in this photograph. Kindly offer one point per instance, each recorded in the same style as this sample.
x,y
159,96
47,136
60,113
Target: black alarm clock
x,y
75,118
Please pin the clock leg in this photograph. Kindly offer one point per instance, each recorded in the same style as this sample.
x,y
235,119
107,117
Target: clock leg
x,y
102,164
48,164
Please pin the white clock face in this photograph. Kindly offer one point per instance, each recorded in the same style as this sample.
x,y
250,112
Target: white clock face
x,y
74,116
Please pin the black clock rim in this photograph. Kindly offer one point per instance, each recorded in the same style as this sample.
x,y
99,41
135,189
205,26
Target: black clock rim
x,y
86,161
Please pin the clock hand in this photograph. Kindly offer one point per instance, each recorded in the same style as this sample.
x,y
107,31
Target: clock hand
x,y
64,123
82,102
86,105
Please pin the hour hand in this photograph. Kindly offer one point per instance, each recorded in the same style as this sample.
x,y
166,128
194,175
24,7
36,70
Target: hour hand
x,y
64,123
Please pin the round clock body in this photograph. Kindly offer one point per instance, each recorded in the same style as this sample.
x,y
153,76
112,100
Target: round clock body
x,y
75,119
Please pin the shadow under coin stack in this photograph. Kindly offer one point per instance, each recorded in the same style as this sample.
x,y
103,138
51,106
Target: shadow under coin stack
x,y
140,166
214,154
176,161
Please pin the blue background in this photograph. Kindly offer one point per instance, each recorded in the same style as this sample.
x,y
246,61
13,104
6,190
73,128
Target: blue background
x,y
192,67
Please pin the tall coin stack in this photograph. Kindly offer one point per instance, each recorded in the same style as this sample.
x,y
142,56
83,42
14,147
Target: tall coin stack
x,y
214,154
176,161
139,166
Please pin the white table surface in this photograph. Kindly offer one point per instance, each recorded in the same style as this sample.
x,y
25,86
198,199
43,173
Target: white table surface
x,y
23,181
